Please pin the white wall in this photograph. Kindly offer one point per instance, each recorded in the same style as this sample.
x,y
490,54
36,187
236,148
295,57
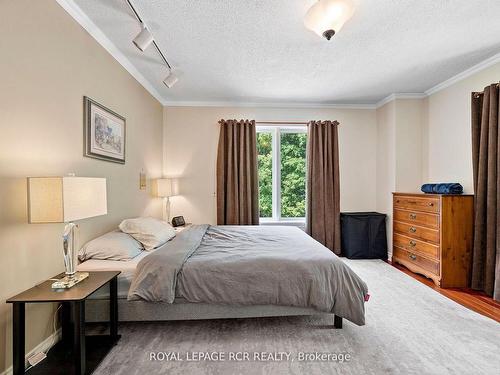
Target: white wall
x,y
190,146
386,163
48,64
409,122
448,130
399,153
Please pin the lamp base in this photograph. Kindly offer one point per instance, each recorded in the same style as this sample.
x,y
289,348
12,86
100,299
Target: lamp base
x,y
70,281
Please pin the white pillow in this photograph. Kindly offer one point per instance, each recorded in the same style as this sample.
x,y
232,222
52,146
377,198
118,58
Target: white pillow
x,y
148,231
114,245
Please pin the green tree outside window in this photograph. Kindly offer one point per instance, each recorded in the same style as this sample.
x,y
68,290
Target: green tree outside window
x,y
292,170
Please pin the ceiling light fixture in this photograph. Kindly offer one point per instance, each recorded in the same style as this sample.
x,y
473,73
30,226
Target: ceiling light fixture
x,y
327,17
144,39
170,80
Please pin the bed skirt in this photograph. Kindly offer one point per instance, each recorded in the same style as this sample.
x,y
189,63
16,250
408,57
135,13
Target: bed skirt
x,y
97,310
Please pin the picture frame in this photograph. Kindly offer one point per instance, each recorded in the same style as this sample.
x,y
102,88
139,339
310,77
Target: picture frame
x,y
104,132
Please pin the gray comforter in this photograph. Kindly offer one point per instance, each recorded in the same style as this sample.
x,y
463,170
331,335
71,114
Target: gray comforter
x,y
250,265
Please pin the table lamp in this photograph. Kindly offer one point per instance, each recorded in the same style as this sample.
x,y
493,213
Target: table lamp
x,y
165,190
65,200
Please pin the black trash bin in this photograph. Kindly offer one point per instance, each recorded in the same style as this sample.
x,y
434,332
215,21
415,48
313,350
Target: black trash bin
x,y
363,235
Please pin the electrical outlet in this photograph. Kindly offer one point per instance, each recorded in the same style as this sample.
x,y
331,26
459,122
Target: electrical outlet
x,y
36,358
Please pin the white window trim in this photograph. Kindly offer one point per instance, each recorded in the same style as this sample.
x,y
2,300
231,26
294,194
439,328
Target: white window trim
x,y
276,174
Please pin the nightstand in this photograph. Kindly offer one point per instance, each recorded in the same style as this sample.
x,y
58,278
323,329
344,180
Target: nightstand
x,y
71,353
182,227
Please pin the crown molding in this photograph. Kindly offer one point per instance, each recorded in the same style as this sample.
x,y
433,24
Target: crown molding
x,y
409,95
79,16
265,105
466,73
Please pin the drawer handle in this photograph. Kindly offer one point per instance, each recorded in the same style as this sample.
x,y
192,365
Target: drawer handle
x,y
413,229
413,216
413,243
431,204
412,256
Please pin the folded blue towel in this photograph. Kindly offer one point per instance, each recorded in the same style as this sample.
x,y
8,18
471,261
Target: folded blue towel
x,y
448,188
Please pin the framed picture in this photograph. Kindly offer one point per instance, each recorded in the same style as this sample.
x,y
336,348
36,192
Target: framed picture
x,y
104,136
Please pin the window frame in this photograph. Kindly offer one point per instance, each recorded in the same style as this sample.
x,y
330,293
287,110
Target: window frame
x,y
276,132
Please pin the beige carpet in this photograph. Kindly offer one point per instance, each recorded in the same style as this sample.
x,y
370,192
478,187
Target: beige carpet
x,y
410,329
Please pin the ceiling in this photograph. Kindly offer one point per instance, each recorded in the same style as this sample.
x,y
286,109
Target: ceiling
x,y
259,51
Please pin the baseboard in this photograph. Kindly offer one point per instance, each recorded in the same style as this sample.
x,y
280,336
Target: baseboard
x,y
42,347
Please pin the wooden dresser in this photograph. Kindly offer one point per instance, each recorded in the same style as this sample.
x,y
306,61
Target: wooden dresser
x,y
432,236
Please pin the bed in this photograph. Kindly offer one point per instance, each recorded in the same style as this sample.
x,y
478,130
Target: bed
x,y
212,272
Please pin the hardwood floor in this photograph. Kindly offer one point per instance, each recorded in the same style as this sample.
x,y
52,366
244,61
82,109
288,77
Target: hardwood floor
x,y
472,299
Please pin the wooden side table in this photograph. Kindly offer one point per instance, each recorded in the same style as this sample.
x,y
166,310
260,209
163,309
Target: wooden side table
x,y
71,353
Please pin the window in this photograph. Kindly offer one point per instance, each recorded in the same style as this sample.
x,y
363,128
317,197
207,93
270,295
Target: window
x,y
282,173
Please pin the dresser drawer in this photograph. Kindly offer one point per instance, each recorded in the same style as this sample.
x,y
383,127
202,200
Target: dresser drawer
x,y
409,258
416,246
415,231
420,218
426,204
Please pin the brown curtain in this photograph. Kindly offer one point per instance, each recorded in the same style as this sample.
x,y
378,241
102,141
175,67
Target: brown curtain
x,y
323,187
486,165
237,181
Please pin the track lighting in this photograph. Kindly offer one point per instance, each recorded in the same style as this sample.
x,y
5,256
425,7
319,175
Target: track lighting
x,y
170,80
143,40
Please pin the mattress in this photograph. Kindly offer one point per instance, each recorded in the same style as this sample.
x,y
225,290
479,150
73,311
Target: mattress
x,y
239,266
250,266
127,269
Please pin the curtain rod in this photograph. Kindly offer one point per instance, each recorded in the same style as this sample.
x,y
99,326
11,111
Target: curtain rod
x,y
283,123
477,93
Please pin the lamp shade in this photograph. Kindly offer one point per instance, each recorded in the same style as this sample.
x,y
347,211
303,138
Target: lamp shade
x,y
164,187
327,17
65,199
